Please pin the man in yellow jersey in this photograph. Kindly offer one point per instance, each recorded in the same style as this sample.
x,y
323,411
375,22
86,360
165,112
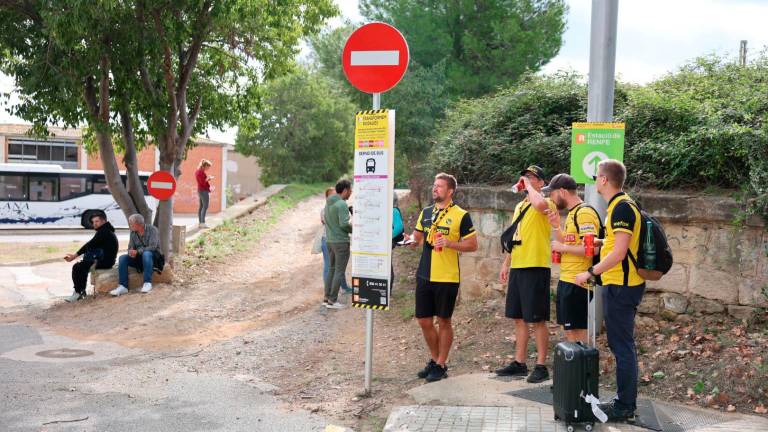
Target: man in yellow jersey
x,y
623,287
445,229
571,300
526,270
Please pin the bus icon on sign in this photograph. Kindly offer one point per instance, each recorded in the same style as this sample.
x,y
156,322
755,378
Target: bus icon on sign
x,y
370,165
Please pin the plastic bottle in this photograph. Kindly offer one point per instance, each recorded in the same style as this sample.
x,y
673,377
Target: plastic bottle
x,y
649,247
437,236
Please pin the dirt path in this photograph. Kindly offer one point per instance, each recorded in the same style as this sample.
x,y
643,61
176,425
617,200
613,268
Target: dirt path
x,y
276,277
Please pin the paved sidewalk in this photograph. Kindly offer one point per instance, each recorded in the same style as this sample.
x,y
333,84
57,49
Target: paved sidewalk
x,y
480,402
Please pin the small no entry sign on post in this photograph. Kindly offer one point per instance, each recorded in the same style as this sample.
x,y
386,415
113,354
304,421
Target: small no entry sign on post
x,y
161,185
375,57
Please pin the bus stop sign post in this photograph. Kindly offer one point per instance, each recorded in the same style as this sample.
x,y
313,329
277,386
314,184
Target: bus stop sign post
x,y
375,58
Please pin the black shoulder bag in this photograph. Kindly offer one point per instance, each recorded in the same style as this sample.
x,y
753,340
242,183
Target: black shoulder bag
x,y
507,242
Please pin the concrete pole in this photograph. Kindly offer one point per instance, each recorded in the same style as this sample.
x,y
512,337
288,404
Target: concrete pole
x,y
743,53
602,69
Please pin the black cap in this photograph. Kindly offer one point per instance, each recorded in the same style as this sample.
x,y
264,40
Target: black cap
x,y
560,181
535,170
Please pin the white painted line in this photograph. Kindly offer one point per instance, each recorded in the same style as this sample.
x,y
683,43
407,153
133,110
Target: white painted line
x,y
375,58
161,185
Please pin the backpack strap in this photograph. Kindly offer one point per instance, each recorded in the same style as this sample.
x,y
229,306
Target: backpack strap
x,y
600,228
630,257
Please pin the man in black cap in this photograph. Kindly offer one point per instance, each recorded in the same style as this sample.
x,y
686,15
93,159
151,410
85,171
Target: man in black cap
x,y
571,299
100,250
526,271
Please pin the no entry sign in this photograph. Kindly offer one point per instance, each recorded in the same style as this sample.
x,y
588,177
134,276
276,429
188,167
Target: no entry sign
x,y
375,57
161,185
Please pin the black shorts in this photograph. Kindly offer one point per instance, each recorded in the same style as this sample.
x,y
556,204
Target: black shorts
x,y
435,298
571,304
528,294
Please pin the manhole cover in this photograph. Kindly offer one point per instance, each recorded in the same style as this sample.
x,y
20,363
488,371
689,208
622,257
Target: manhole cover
x,y
64,353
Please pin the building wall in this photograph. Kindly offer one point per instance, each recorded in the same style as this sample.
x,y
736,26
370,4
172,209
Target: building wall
x,y
146,159
718,267
186,200
243,174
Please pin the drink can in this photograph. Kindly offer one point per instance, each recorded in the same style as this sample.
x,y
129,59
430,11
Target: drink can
x,y
589,244
520,186
555,257
437,236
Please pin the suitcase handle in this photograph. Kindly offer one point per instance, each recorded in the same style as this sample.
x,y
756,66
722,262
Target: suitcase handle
x,y
592,316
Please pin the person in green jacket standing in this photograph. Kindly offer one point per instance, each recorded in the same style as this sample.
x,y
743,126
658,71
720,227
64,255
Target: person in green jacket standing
x,y
337,230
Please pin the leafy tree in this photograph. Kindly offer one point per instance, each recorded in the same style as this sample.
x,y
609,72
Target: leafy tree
x,y
486,44
164,70
419,99
304,133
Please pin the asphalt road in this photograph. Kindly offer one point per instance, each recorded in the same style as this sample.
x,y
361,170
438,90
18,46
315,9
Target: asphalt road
x,y
112,388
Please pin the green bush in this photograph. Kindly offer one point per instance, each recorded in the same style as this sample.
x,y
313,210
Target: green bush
x,y
703,126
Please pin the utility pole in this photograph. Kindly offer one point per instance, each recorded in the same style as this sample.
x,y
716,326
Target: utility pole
x,y
743,53
602,69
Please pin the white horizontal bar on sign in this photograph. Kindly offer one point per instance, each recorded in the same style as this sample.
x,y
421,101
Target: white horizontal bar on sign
x,y
375,58
161,185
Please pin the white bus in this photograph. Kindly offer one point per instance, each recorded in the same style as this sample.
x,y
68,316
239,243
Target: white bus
x,y
51,196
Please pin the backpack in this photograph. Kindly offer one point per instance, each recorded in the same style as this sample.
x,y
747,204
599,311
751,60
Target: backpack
x,y
654,256
506,237
400,235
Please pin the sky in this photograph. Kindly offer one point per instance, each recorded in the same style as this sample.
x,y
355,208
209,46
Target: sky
x,y
654,37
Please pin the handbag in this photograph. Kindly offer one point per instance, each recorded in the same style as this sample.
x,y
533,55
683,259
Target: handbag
x,y
507,242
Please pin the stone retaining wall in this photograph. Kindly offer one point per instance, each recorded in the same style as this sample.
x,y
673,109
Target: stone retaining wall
x,y
718,267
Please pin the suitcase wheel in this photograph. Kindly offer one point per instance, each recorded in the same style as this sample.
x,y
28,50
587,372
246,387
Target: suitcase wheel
x,y
588,427
569,428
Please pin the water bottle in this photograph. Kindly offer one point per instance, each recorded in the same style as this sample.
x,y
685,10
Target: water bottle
x,y
649,247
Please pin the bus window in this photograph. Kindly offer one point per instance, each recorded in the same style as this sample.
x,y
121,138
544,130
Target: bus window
x,y
100,186
43,189
12,188
71,187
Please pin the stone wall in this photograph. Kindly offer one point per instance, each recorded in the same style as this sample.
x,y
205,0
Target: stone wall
x,y
718,267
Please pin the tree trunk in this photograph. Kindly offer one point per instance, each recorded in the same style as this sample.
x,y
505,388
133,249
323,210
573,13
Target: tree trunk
x,y
135,188
112,174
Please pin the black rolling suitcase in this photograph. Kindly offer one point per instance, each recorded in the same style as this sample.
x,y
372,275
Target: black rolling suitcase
x,y
576,375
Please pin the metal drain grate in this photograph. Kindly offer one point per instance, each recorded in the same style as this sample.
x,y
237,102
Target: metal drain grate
x,y
64,353
678,419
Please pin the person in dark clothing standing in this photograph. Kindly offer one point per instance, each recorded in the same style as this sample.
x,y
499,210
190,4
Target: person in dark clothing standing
x,y
100,250
204,189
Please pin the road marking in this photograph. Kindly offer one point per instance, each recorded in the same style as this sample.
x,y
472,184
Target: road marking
x,y
161,185
375,58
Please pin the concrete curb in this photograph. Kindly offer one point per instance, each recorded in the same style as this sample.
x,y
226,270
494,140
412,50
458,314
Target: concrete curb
x,y
245,207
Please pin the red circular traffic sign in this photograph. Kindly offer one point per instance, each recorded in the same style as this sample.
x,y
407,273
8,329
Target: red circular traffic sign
x,y
161,185
375,57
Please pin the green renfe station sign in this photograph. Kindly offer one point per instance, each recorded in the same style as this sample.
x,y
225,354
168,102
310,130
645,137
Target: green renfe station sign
x,y
592,143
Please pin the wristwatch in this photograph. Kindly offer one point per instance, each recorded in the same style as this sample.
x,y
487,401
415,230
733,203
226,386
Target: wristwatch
x,y
591,271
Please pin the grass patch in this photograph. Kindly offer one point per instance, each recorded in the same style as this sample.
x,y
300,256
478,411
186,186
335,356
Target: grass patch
x,y
232,237
405,304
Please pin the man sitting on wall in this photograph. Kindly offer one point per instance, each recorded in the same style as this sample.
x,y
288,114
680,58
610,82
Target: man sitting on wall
x,y
143,252
100,250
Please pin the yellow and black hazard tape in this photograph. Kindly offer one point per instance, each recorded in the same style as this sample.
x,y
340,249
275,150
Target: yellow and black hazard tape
x,y
379,111
365,306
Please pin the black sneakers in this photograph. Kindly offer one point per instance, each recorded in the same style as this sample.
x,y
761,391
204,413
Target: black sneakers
x,y
539,374
616,413
513,369
436,373
424,372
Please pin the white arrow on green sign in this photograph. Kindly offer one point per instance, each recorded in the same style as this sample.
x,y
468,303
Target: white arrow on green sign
x,y
592,143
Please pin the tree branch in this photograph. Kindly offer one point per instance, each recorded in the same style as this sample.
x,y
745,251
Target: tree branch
x,y
172,114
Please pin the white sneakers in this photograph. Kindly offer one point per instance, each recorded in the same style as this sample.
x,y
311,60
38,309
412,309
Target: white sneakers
x,y
120,290
336,305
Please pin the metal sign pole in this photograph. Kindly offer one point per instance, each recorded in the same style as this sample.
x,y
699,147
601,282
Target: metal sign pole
x,y
369,312
602,68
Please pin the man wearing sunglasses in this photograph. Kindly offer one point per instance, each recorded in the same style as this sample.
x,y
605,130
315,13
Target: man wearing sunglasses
x,y
623,287
526,271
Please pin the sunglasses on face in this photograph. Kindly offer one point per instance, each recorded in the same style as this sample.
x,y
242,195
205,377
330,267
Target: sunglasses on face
x,y
594,177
